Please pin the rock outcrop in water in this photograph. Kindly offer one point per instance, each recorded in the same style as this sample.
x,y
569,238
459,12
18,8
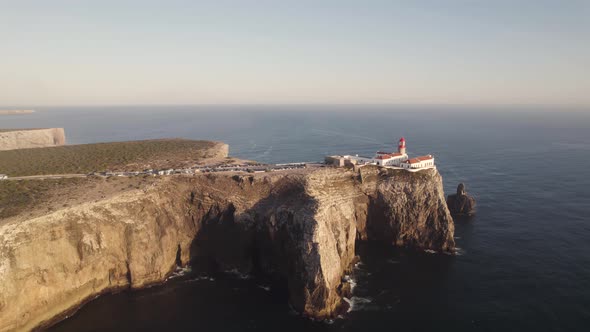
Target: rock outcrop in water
x,y
298,226
31,138
461,204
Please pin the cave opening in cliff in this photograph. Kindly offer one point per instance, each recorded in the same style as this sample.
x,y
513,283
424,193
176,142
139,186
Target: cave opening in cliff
x,y
224,247
178,256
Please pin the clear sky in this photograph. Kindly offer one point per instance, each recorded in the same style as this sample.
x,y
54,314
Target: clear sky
x,y
81,52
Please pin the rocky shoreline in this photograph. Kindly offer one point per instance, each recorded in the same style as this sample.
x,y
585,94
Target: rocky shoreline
x,y
298,226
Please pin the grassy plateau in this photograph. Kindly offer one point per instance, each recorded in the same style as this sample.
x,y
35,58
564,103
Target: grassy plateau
x,y
116,156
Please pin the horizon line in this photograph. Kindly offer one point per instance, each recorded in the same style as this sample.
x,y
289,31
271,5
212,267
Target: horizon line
x,y
491,105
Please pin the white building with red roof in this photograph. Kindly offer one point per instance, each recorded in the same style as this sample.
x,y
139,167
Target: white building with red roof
x,y
397,159
418,163
392,158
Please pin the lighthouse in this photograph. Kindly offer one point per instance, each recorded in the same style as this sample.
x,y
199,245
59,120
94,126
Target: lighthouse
x,y
396,160
401,147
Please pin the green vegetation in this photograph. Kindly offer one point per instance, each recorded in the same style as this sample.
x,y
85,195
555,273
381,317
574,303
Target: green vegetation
x,y
19,196
85,158
31,197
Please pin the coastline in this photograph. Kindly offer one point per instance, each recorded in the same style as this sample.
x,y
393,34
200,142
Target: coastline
x,y
16,112
108,238
44,324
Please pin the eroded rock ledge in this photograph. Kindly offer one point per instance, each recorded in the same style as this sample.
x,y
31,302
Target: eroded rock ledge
x,y
300,226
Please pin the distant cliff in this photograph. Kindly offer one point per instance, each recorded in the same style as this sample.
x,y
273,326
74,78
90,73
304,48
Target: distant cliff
x,y
15,112
299,226
31,138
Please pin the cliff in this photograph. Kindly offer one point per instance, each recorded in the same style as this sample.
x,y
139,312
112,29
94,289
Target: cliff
x,y
298,226
16,112
31,138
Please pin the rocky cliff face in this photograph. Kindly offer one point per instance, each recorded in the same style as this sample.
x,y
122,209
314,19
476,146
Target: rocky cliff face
x,y
407,209
299,227
31,138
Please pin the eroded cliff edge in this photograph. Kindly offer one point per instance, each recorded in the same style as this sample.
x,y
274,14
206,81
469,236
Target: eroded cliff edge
x,y
300,226
31,138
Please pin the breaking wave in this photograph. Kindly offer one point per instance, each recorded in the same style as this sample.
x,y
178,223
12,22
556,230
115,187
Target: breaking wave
x,y
201,278
179,272
238,274
357,303
350,281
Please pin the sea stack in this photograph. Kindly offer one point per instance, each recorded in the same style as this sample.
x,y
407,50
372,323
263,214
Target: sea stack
x,y
461,204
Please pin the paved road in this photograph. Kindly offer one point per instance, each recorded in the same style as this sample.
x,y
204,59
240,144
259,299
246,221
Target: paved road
x,y
203,169
48,176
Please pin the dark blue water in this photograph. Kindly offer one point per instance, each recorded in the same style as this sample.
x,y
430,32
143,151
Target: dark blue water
x,y
525,262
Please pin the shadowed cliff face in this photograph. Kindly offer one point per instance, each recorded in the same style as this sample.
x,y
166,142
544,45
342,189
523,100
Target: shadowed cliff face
x,y
299,227
407,209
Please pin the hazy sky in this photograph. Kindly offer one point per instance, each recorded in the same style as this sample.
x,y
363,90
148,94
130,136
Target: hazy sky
x,y
186,52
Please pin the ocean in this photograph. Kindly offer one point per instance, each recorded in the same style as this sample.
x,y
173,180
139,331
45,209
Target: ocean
x,y
524,259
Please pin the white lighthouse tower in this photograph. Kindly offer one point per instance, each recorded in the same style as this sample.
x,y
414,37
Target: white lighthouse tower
x,y
401,147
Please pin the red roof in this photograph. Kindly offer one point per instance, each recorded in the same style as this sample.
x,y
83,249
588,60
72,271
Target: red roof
x,y
419,159
402,139
389,155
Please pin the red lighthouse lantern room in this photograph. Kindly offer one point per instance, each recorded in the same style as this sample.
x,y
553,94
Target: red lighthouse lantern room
x,y
401,147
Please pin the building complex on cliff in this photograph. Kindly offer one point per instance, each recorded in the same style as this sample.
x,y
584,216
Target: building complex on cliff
x,y
397,159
